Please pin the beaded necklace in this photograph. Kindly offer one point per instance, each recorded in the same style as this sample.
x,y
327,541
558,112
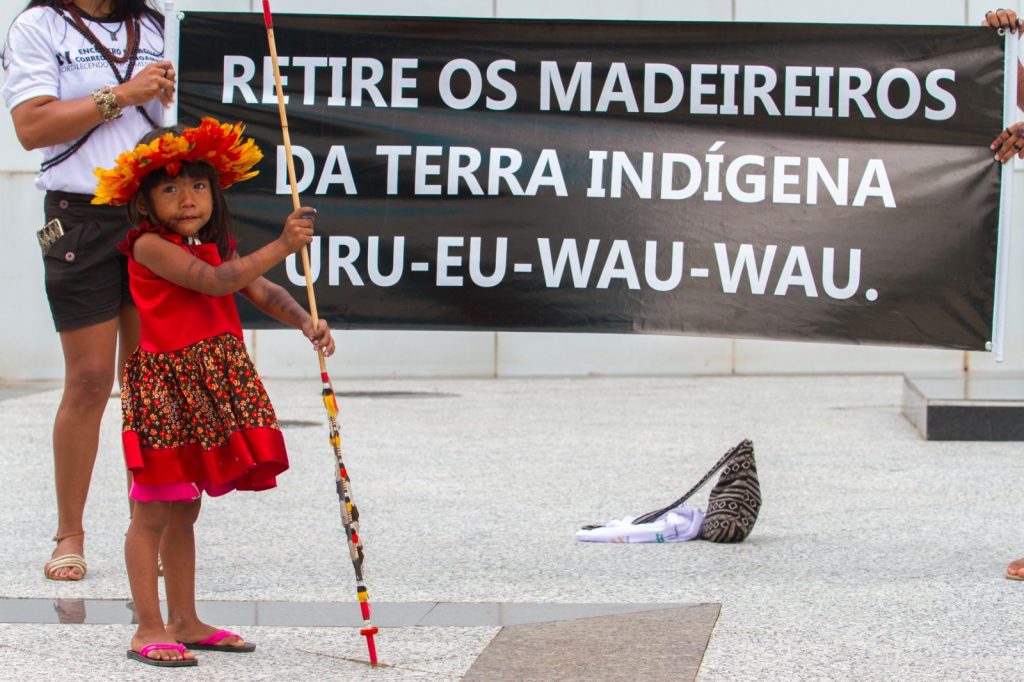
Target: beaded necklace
x,y
131,44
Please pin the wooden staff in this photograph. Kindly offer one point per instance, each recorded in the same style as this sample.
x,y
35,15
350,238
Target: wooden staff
x,y
349,512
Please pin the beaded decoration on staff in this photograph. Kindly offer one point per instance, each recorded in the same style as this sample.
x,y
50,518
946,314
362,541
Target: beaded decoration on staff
x,y
349,512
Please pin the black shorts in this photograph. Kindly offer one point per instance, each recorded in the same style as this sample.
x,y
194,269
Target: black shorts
x,y
86,276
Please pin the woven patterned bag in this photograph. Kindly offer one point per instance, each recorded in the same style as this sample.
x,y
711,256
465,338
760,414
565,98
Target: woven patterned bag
x,y
734,501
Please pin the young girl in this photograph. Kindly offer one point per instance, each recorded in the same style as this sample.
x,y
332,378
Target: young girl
x,y
196,416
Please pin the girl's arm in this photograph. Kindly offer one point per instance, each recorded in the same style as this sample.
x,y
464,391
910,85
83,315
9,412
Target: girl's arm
x,y
276,302
177,265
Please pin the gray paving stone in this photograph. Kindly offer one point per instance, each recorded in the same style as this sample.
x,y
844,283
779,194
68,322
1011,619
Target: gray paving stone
x,y
655,646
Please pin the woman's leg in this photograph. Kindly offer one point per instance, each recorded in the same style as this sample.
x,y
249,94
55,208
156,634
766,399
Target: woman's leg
x,y
88,376
140,549
178,549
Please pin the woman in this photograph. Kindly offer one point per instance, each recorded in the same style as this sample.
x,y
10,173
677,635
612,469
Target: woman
x,y
85,80
1008,144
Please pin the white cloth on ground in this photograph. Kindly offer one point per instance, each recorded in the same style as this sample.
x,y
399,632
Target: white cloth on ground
x,y
679,524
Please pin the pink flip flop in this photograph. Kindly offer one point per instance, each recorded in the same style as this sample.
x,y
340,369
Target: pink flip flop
x,y
210,643
142,656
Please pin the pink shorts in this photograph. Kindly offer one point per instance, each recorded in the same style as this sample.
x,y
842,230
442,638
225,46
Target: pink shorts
x,y
176,492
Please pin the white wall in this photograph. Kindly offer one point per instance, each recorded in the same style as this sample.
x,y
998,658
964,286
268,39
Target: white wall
x,y
29,348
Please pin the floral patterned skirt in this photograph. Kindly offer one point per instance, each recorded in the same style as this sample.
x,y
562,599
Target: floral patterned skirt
x,y
200,415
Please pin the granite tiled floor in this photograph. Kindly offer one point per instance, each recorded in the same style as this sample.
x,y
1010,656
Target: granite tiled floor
x,y
877,556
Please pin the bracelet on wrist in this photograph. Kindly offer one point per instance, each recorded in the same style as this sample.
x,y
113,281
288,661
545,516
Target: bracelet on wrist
x,y
106,102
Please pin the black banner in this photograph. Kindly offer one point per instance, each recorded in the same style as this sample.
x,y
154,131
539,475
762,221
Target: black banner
x,y
810,182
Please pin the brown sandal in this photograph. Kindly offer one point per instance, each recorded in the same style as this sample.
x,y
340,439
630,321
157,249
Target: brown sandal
x,y
74,561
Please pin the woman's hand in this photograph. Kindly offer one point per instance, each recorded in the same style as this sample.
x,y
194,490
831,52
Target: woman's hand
x,y
156,81
320,336
1003,18
298,228
1010,143
45,121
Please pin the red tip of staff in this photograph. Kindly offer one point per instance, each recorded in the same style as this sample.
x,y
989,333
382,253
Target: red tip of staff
x,y
368,633
267,19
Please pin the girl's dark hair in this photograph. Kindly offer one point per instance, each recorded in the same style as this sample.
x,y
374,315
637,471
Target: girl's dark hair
x,y
122,10
218,229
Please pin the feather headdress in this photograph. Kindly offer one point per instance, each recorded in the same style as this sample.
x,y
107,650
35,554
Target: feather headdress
x,y
219,145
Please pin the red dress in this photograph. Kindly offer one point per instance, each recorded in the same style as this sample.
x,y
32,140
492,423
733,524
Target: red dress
x,y
194,409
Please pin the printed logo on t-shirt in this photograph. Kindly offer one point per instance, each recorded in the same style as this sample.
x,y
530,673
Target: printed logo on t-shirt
x,y
89,57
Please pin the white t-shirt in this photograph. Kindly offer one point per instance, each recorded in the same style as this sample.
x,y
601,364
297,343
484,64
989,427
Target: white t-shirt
x,y
47,56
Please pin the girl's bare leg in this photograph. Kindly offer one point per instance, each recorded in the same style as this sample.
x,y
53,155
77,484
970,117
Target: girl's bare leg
x,y
178,549
140,549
